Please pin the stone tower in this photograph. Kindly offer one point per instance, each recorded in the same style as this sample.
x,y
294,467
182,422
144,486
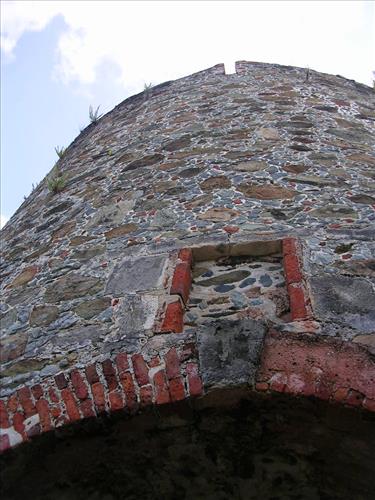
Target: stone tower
x,y
188,297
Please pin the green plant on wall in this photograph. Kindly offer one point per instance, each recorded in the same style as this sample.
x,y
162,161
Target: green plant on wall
x,y
60,151
94,115
55,180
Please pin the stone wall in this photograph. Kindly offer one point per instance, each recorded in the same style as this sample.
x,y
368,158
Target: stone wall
x,y
267,163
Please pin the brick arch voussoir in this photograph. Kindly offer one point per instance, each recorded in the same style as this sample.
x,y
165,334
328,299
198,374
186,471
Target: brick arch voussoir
x,y
124,382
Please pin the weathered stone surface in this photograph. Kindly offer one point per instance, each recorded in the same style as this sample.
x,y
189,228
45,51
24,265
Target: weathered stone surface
x,y
334,212
218,214
77,336
164,218
120,231
268,133
344,300
367,341
72,286
89,252
266,192
12,347
362,198
229,351
250,166
146,161
224,278
180,143
135,315
314,180
91,308
43,315
212,183
144,273
25,276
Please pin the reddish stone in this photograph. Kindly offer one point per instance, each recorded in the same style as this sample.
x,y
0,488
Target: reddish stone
x,y
140,369
115,401
97,390
61,381
87,408
4,419
122,363
172,364
231,229
194,380
369,404
297,302
237,201
278,382
186,255
18,424
292,269
146,395
346,256
24,397
129,390
261,386
155,361
173,319
4,442
37,391
354,398
115,302
109,375
188,351
91,374
13,403
341,394
44,414
70,405
176,389
181,282
161,388
79,385
53,395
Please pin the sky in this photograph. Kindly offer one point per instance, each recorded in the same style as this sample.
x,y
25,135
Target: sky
x,y
60,57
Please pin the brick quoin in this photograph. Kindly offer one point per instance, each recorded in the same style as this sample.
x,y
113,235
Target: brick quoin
x,y
181,282
173,319
297,299
186,255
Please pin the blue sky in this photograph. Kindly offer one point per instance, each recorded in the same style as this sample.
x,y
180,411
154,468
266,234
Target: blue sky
x,y
58,57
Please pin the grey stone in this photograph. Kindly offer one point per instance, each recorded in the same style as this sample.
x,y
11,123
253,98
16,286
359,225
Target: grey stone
x,y
164,218
224,278
72,286
81,335
344,300
229,351
239,300
136,313
43,315
143,273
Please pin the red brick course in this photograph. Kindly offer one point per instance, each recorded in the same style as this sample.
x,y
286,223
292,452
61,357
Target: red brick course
x,y
174,318
106,387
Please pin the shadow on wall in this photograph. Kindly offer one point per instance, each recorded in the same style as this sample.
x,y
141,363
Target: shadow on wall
x,y
258,448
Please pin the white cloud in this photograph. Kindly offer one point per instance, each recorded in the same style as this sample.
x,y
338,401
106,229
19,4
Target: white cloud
x,y
158,41
3,220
